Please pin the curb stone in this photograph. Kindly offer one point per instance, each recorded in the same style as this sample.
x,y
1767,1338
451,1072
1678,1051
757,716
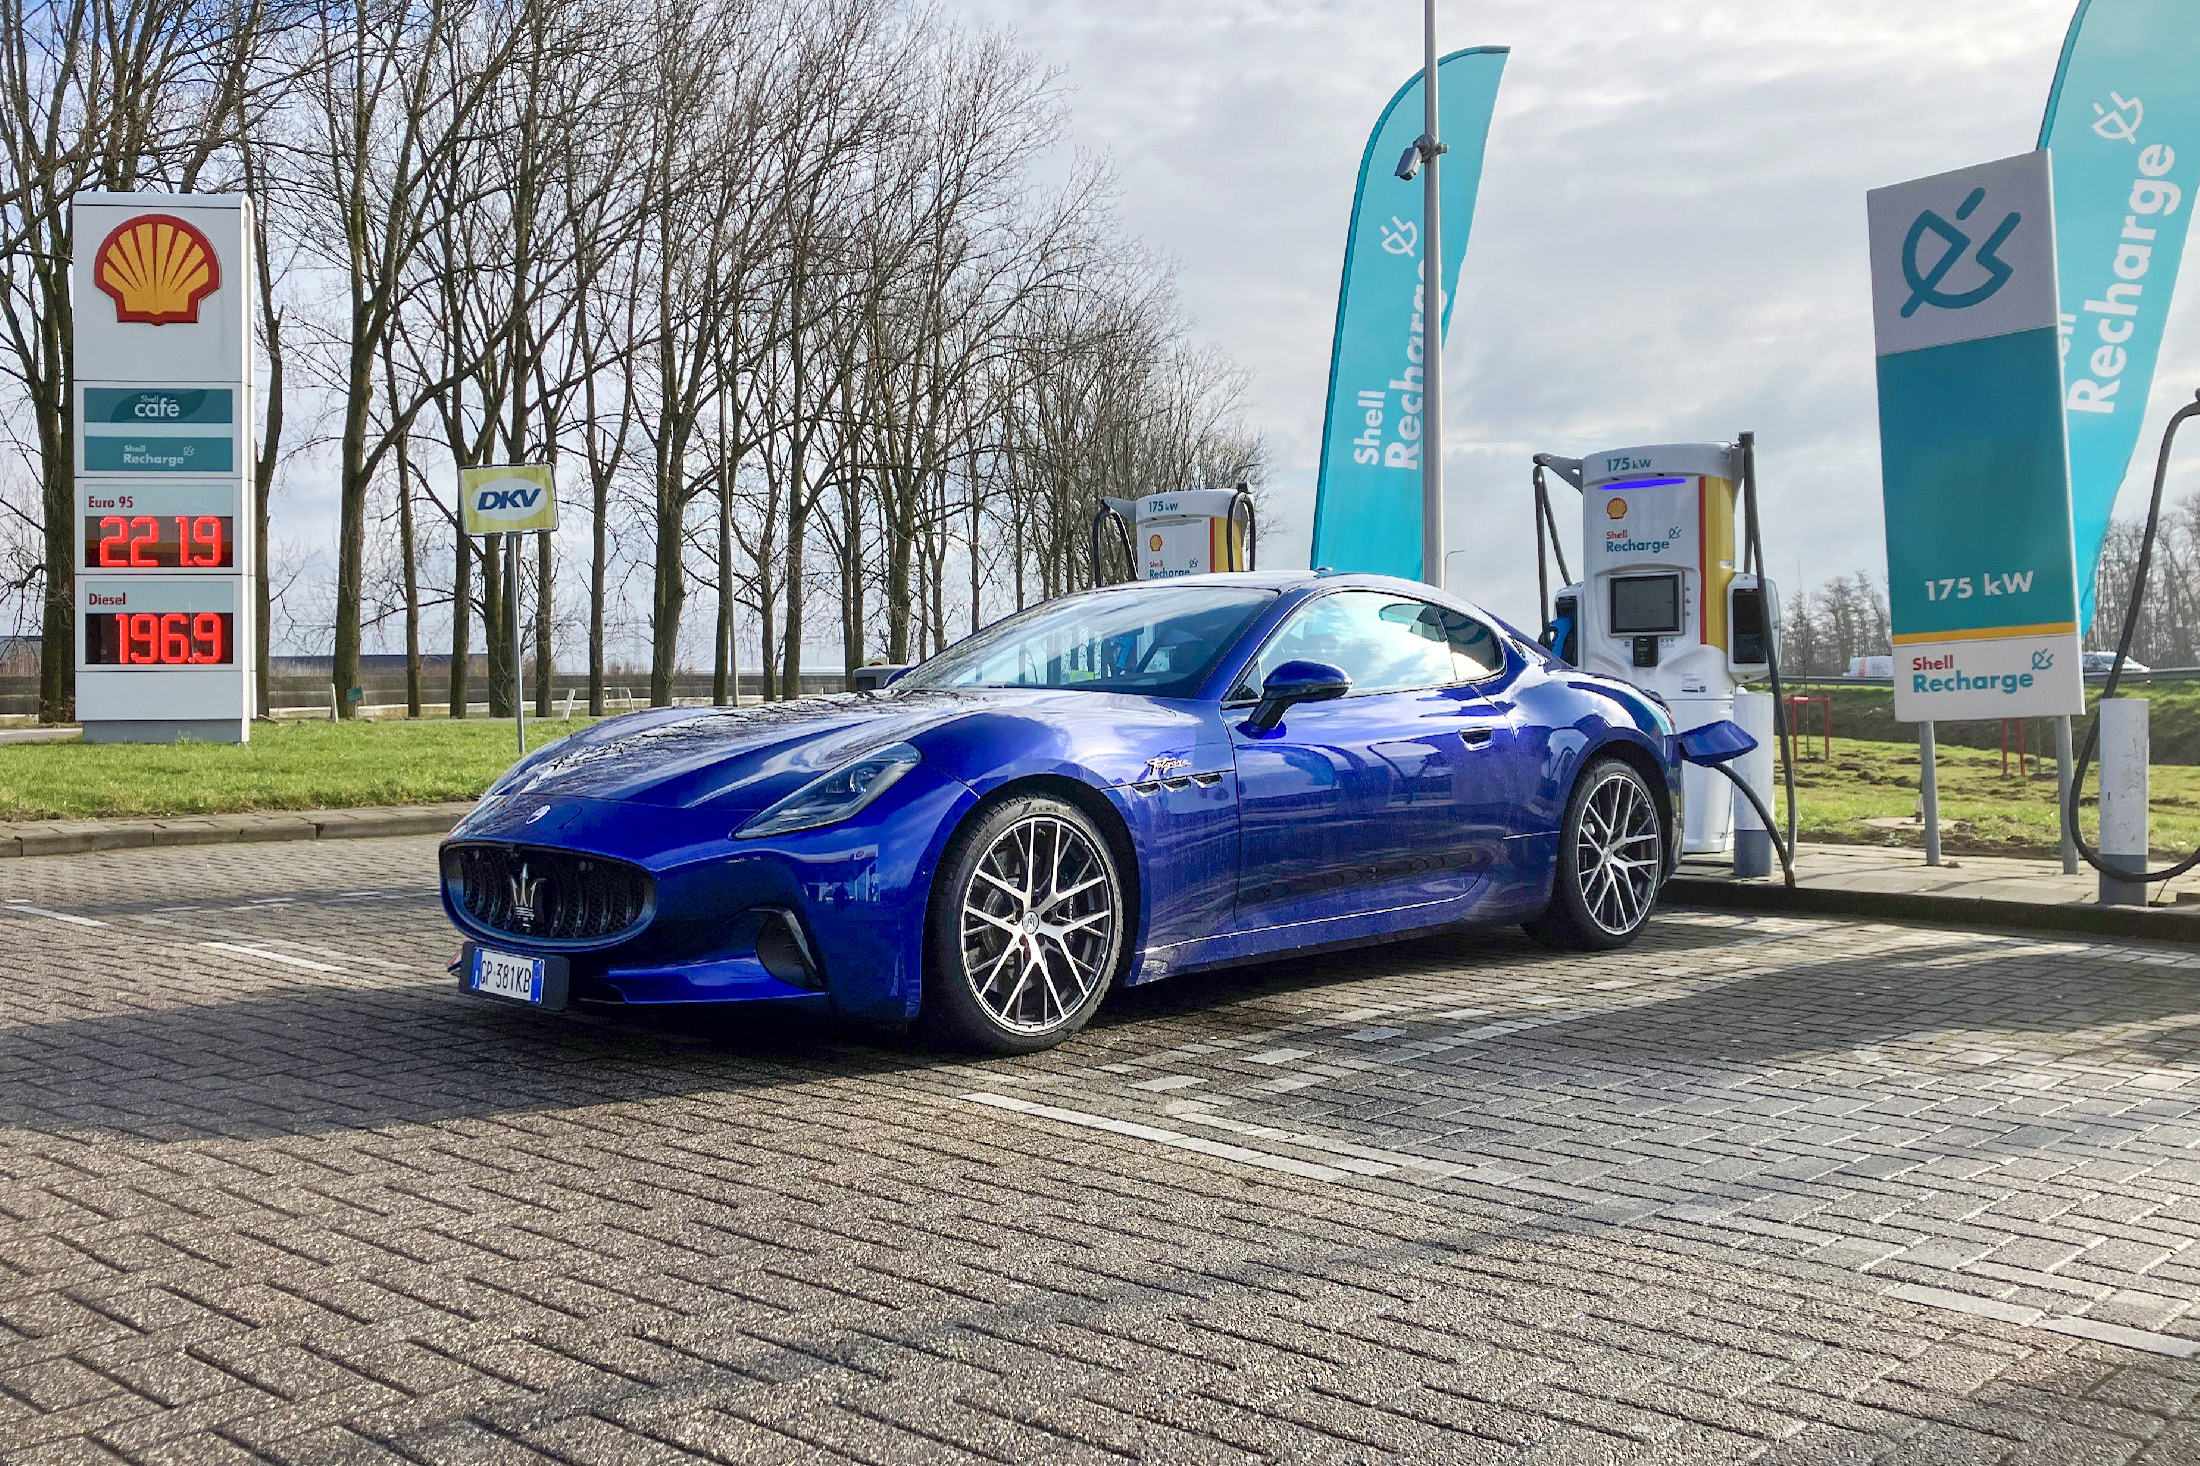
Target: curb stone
x,y
75,837
2136,923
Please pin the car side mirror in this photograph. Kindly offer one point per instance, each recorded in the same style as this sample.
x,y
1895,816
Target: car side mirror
x,y
1293,683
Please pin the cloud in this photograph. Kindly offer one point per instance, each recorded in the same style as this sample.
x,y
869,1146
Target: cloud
x,y
1669,243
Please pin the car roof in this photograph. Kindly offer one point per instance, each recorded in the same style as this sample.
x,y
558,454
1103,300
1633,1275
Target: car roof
x,y
1283,580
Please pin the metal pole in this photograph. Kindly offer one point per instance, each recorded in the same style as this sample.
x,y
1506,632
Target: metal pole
x,y
1432,319
2062,796
519,671
1928,792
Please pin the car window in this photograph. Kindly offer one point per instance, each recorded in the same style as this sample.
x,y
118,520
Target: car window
x,y
1476,652
1161,640
1384,643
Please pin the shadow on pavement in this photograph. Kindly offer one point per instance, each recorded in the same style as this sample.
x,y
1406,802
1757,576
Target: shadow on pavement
x,y
305,1061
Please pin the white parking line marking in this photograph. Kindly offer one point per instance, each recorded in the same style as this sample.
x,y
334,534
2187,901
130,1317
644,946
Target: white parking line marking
x,y
53,915
1279,1056
1174,1139
1170,1081
283,957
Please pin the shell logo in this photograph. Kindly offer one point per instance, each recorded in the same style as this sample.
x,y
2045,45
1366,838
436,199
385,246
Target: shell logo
x,y
1153,542
1615,508
157,268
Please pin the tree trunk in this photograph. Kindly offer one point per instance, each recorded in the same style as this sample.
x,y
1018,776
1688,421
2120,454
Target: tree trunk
x,y
351,544
496,625
408,547
600,502
546,665
462,620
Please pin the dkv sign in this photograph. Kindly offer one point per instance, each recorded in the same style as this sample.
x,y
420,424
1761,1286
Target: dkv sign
x,y
507,498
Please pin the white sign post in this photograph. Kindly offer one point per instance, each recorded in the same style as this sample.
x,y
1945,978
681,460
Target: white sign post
x,y
510,499
165,596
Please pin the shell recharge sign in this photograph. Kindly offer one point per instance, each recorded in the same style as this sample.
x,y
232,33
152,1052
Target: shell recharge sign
x,y
165,596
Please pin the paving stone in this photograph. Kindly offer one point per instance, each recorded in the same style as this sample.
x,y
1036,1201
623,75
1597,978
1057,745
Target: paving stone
x,y
1637,1207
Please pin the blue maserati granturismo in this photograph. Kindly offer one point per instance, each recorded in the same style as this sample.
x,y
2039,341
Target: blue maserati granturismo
x,y
1104,789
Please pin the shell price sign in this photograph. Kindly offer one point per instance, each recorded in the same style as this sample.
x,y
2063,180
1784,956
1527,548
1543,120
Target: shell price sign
x,y
165,598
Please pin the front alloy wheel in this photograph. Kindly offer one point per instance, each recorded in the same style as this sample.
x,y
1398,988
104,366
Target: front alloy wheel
x,y
1611,859
1026,928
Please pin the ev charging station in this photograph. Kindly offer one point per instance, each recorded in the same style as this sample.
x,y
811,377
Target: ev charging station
x,y
1664,602
1191,533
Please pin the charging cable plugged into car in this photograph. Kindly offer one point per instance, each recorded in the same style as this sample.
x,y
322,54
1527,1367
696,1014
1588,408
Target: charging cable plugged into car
x,y
1716,746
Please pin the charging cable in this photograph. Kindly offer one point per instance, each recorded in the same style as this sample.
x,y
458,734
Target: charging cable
x,y
2116,669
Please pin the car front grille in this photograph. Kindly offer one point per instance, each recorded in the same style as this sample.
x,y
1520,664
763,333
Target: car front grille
x,y
553,895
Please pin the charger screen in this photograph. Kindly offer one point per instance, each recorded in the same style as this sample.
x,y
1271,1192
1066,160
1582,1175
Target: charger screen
x,y
1646,605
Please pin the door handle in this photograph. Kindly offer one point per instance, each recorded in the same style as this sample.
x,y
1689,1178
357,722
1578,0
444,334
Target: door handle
x,y
1475,737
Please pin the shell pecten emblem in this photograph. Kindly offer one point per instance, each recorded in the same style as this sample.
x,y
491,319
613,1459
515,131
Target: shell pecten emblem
x,y
1615,508
157,268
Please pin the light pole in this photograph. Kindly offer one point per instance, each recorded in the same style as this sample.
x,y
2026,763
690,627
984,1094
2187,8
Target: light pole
x,y
1432,316
1449,556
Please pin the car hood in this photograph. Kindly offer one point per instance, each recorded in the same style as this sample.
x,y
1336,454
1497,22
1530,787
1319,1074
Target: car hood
x,y
739,760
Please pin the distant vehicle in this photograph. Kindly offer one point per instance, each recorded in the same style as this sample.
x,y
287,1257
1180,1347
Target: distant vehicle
x,y
2101,662
1872,667
1103,789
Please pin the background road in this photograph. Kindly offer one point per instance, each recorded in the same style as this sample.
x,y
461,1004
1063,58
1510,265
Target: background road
x,y
1757,1189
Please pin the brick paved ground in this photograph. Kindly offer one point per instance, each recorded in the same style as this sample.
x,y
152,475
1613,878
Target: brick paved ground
x,y
1760,1189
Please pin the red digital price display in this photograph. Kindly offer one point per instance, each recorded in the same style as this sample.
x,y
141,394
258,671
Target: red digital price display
x,y
159,541
161,639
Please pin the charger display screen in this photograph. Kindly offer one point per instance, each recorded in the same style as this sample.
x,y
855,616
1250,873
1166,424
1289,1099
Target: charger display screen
x,y
1646,605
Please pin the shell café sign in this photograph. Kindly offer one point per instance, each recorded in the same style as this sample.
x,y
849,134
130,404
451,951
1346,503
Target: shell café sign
x,y
165,598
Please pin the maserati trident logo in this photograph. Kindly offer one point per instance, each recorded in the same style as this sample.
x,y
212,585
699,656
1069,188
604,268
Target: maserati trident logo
x,y
526,888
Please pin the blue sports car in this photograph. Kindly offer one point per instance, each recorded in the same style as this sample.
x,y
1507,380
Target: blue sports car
x,y
1107,788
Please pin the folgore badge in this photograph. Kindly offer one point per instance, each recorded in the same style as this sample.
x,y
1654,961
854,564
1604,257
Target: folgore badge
x,y
157,268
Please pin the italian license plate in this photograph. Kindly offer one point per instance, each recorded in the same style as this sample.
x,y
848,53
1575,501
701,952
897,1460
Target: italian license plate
x,y
540,981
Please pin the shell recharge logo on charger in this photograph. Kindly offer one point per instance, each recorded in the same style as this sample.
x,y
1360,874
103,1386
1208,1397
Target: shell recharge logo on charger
x,y
157,268
507,498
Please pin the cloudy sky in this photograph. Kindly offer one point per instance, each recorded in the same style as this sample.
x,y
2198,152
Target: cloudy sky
x,y
1669,244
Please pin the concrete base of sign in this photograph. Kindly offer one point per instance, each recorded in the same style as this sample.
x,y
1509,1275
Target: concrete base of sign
x,y
170,730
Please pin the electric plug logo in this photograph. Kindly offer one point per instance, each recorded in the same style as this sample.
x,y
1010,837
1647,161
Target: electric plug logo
x,y
1925,285
2121,125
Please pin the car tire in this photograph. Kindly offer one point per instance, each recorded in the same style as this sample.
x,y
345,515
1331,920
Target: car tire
x,y
1026,929
1611,861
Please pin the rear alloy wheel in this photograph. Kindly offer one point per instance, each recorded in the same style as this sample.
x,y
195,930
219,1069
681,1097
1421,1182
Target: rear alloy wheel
x,y
1611,858
1026,928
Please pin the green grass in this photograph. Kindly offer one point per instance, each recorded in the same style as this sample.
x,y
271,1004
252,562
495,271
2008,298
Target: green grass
x,y
1982,811
317,765
287,765
2173,720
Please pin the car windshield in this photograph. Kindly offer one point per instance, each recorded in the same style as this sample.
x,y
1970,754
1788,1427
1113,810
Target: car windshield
x,y
1161,641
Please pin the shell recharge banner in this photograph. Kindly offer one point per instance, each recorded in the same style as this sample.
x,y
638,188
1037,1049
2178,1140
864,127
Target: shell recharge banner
x,y
2123,126
1367,506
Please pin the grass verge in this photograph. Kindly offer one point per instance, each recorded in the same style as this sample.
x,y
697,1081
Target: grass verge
x,y
288,765
1982,811
1867,713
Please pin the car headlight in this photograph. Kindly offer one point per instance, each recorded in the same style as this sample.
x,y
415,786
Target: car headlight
x,y
831,798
